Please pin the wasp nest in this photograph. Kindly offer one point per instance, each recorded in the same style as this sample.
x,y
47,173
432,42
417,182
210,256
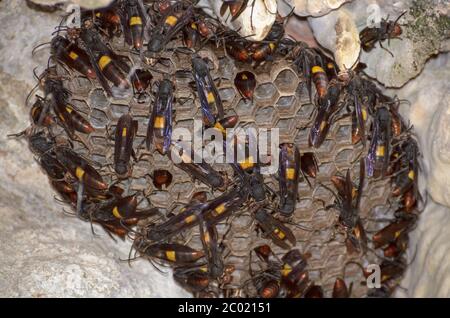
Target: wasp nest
x,y
348,165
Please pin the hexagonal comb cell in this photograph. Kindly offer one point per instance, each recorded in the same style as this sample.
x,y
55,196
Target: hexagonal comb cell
x,y
118,110
98,99
286,81
227,94
265,92
98,119
264,115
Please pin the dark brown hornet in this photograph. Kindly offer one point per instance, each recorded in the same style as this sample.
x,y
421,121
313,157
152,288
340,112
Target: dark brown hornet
x,y
227,122
162,177
170,252
279,233
107,64
405,177
213,252
347,202
188,217
116,209
159,131
288,178
108,20
72,55
253,183
57,99
309,165
360,96
387,30
285,278
238,50
141,80
236,7
223,206
191,36
327,108
210,101
134,21
245,82
126,131
201,171
192,278
340,289
377,159
392,232
309,63
38,114
87,178
172,22
266,281
295,277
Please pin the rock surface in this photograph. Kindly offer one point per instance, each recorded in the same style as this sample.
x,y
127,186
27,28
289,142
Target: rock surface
x,y
88,4
426,32
45,253
429,113
305,8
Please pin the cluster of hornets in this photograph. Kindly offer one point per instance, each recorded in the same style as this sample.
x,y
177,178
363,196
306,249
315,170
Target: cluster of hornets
x,y
275,267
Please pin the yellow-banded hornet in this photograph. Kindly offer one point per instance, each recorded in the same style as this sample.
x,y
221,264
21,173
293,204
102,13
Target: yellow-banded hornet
x,y
309,63
406,177
377,159
392,232
288,177
213,253
57,98
71,55
261,52
88,179
107,64
134,21
294,276
328,106
238,51
159,131
386,31
171,252
194,279
224,205
38,114
320,80
252,181
347,202
170,24
227,122
397,247
279,233
125,133
210,101
287,278
191,35
201,171
187,218
108,20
